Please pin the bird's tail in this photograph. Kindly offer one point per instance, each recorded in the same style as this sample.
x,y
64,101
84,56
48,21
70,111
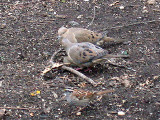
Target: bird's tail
x,y
109,56
110,39
104,92
115,56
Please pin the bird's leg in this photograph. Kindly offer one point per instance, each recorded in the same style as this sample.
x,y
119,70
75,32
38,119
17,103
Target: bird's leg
x,y
78,69
88,69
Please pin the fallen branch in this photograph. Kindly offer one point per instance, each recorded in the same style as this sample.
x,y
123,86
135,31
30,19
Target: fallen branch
x,y
94,14
137,23
50,67
53,56
19,108
52,64
57,65
80,74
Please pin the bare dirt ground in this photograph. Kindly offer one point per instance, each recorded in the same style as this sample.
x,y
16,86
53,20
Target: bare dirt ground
x,y
28,33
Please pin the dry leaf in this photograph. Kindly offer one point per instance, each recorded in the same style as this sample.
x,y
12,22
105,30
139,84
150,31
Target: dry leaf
x,y
50,67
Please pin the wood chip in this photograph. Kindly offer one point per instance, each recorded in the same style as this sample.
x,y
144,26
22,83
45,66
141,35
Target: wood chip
x,y
50,67
78,113
121,113
114,3
61,16
151,2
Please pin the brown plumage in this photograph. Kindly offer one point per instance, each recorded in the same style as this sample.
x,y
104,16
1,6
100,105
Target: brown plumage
x,y
81,97
78,35
85,54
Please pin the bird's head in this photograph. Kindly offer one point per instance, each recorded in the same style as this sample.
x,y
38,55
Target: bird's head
x,y
61,31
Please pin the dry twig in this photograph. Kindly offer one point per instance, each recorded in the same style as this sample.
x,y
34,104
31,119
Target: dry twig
x,y
53,56
137,23
94,14
79,74
19,108
52,64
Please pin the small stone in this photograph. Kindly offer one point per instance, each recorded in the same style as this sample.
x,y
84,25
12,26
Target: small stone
x,y
121,7
123,101
61,16
9,13
80,16
126,83
47,110
73,23
124,52
54,94
3,25
17,2
46,54
144,7
121,113
145,10
51,9
56,116
78,113
151,2
1,83
31,114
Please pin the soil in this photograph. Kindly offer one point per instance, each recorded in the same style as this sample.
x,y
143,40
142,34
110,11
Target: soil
x,y
28,38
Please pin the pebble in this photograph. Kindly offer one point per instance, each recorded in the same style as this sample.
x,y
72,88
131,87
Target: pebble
x,y
73,23
46,54
151,2
80,16
145,10
121,113
3,25
1,83
61,16
78,113
121,7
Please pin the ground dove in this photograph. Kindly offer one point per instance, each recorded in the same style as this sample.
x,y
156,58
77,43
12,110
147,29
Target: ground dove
x,y
78,35
85,54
